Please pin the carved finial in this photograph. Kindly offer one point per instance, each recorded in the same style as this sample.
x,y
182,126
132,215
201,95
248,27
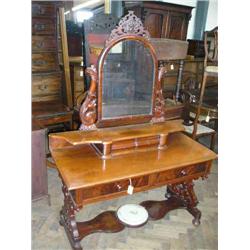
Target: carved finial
x,y
128,25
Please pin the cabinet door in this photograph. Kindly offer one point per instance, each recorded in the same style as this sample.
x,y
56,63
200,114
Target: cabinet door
x,y
177,26
154,23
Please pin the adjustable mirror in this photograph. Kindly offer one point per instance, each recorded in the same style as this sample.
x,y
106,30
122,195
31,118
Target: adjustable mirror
x,y
126,86
127,81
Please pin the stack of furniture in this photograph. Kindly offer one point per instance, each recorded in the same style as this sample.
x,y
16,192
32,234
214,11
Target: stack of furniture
x,y
50,104
199,104
125,145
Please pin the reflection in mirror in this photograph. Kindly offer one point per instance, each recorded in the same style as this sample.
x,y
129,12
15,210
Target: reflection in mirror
x,y
128,76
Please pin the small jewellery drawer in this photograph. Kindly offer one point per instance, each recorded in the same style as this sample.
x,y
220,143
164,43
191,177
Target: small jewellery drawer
x,y
43,10
46,85
43,43
43,26
179,173
114,187
44,61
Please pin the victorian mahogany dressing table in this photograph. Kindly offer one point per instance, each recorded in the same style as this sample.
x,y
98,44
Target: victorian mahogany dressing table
x,y
125,141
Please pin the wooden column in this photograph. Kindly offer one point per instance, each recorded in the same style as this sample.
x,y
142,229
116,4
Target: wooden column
x,y
65,57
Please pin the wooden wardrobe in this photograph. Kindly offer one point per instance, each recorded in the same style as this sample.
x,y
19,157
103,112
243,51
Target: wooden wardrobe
x,y
162,20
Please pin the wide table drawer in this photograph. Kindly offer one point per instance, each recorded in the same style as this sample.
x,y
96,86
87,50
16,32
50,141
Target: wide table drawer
x,y
143,183
43,26
43,43
111,188
175,175
44,62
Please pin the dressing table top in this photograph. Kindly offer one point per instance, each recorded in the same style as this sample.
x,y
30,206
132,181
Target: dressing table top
x,y
81,167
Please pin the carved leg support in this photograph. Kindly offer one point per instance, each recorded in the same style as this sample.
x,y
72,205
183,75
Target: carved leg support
x,y
185,192
67,219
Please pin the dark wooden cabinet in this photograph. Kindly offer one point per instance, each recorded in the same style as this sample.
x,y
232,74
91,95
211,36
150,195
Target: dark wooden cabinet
x,y
162,20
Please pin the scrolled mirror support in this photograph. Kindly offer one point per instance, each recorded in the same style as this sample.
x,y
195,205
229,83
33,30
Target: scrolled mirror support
x,y
88,113
159,110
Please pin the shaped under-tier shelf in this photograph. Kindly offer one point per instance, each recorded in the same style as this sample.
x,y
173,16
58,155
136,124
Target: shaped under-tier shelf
x,y
107,141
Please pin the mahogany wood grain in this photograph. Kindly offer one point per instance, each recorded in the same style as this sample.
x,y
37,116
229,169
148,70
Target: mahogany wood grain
x,y
81,168
119,133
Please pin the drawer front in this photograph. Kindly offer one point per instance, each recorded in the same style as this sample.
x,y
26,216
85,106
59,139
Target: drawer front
x,y
43,10
177,174
43,26
44,62
43,43
115,187
78,73
47,87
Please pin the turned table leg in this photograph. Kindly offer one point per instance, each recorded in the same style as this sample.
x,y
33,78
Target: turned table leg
x,y
185,192
68,221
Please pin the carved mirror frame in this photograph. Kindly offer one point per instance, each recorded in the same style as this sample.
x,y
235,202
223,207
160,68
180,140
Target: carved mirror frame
x,y
129,28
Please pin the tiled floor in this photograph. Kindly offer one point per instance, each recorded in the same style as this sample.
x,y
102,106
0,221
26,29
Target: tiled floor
x,y
173,232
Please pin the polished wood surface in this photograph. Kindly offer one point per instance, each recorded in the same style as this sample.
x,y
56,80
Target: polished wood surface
x,y
80,167
119,133
87,178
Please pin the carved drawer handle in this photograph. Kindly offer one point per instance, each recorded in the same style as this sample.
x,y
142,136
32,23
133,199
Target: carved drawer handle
x,y
182,173
119,187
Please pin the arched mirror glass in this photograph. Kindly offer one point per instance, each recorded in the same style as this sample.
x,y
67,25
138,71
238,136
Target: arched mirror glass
x,y
127,80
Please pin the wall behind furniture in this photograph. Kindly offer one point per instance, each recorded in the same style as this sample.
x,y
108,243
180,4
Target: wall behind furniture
x,y
212,15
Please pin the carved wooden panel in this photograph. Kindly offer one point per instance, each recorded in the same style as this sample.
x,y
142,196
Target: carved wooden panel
x,y
153,23
176,25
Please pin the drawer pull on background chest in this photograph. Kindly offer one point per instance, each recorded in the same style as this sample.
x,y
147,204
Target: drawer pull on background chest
x,y
39,62
39,27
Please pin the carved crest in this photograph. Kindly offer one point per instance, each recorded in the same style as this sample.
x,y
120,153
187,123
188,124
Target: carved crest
x,y
128,25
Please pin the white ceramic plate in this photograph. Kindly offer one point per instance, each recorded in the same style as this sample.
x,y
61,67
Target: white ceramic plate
x,y
132,214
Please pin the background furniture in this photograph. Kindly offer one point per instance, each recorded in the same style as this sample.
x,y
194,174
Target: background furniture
x,y
51,103
162,20
195,129
39,168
